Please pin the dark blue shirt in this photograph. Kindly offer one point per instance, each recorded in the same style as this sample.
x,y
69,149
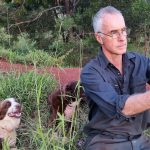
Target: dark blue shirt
x,y
107,91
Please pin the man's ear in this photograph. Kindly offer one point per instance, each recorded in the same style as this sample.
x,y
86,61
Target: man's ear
x,y
99,38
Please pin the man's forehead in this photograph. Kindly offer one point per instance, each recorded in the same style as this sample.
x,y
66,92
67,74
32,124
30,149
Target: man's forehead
x,y
113,21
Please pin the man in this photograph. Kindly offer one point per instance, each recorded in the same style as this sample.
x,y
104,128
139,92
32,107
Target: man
x,y
115,86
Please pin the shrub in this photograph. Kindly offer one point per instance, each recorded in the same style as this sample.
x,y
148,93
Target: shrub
x,y
4,37
36,57
23,44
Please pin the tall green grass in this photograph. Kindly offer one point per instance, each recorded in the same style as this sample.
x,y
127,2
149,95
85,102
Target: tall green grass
x,y
31,90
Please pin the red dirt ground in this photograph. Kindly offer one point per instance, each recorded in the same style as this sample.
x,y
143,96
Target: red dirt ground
x,y
62,75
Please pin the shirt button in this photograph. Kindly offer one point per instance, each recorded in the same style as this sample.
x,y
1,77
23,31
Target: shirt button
x,y
127,119
111,65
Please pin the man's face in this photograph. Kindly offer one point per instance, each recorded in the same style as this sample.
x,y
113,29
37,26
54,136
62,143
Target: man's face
x,y
113,24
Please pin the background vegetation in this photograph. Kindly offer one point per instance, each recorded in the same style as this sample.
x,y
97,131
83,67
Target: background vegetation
x,y
31,90
56,33
63,30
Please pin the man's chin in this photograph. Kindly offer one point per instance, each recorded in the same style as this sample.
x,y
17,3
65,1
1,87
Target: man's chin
x,y
122,51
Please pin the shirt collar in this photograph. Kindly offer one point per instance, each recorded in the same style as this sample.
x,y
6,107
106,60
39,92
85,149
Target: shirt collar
x,y
103,61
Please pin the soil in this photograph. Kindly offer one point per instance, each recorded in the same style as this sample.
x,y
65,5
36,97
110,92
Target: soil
x,y
62,75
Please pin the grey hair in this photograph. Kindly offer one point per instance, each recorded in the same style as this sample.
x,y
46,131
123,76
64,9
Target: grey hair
x,y
98,18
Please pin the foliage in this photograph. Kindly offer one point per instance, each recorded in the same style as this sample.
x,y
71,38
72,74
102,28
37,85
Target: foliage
x,y
58,32
7,54
66,41
35,57
23,44
29,4
4,37
31,90
65,23
25,88
84,14
142,21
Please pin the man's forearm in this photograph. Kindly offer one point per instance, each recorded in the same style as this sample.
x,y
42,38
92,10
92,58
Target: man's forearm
x,y
137,103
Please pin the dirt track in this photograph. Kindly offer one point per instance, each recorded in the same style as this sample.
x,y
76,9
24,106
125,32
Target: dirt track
x,y
63,76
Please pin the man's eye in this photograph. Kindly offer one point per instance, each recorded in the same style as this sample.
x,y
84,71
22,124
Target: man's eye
x,y
114,32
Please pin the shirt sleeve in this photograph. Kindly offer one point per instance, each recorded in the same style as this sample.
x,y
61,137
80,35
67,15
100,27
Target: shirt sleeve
x,y
102,93
148,70
148,88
